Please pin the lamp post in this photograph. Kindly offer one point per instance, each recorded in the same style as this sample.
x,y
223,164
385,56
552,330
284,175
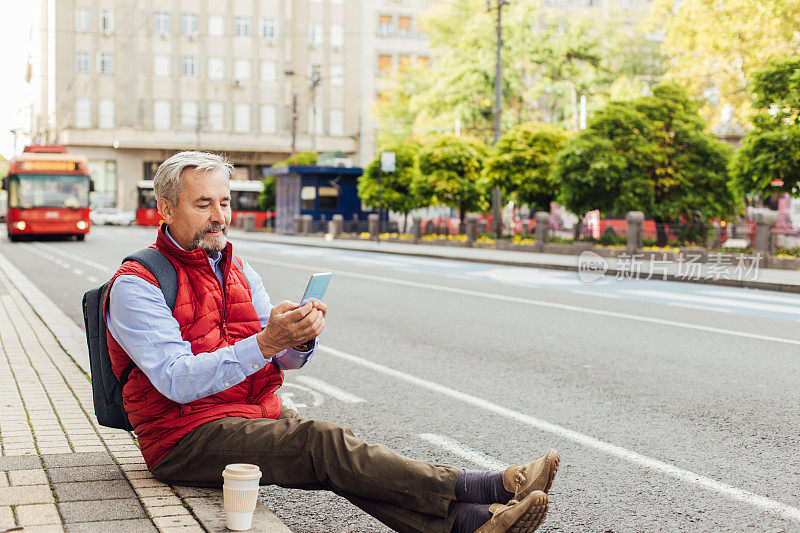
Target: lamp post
x,y
497,110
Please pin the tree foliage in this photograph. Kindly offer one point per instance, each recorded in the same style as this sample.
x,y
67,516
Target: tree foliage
x,y
520,164
266,198
648,155
450,174
769,159
715,45
300,159
549,60
397,194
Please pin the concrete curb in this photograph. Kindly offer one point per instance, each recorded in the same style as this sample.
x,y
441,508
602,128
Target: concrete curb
x,y
343,245
204,504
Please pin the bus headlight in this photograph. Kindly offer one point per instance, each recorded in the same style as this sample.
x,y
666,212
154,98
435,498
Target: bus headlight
x,y
82,224
21,225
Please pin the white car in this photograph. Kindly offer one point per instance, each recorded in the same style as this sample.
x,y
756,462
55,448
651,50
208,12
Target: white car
x,y
111,216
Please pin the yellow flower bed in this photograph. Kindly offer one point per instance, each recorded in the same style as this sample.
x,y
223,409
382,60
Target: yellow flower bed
x,y
674,249
364,235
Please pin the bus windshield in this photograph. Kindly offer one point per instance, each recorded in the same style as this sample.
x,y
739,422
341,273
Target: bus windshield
x,y
48,190
147,199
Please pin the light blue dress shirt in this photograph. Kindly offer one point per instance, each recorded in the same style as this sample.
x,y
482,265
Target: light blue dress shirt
x,y
140,321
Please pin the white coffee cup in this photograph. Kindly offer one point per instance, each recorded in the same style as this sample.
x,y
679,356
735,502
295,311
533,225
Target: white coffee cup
x,y
239,494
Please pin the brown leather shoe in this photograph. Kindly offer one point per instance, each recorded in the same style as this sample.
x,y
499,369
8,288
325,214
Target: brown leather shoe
x,y
536,475
517,516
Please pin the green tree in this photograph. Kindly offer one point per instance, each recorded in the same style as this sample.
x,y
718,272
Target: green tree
x,y
520,164
300,159
266,198
450,173
648,155
397,193
713,46
769,159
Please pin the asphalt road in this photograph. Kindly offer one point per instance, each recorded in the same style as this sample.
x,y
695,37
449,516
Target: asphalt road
x,y
675,407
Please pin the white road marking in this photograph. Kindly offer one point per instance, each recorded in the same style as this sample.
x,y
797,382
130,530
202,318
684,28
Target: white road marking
x,y
87,262
786,511
316,398
601,294
540,303
480,459
715,301
77,271
93,279
699,307
752,294
336,392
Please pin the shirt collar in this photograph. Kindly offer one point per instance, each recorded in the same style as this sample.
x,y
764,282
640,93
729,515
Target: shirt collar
x,y
213,259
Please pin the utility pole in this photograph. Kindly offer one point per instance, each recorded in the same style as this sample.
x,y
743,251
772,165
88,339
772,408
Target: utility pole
x,y
198,128
314,81
294,124
497,111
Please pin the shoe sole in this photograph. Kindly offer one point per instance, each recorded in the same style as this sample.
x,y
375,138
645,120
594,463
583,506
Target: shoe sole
x,y
533,517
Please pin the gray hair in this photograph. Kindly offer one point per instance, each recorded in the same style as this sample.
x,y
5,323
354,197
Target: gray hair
x,y
167,181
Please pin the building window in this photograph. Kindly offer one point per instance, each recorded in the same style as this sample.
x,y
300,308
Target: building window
x,y
189,24
241,69
161,65
241,26
81,19
328,197
384,64
269,71
82,62
337,75
315,34
268,28
404,25
105,63
424,62
241,118
105,114
162,115
189,114
104,176
337,35
336,126
216,116
385,26
315,115
216,25
83,113
269,119
106,21
308,196
189,66
161,23
403,62
216,68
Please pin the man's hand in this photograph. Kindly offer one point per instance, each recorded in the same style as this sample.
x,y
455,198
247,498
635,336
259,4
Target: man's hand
x,y
290,325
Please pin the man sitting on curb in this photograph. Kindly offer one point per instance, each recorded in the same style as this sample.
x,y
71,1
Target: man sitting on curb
x,y
202,394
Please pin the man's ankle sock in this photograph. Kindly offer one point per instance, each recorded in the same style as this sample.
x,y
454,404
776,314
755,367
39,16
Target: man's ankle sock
x,y
481,486
470,517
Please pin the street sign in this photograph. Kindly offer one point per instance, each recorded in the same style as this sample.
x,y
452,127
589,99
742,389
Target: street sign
x,y
387,161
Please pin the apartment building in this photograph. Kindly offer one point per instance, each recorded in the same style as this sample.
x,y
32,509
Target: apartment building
x,y
129,83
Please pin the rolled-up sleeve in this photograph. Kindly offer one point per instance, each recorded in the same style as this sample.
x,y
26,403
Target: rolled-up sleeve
x,y
142,324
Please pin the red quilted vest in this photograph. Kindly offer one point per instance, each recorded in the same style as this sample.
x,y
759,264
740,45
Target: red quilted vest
x,y
209,318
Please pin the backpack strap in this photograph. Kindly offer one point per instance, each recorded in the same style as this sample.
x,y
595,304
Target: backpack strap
x,y
162,269
167,278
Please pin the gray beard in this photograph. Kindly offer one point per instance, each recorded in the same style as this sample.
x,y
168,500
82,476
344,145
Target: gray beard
x,y
211,245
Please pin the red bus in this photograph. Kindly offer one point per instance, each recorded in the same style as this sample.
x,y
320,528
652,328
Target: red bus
x,y
244,201
48,193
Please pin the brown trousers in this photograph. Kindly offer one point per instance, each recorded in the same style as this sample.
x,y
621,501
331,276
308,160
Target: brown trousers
x,y
304,453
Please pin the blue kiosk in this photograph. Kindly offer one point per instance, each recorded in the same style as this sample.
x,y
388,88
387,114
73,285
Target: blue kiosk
x,y
315,191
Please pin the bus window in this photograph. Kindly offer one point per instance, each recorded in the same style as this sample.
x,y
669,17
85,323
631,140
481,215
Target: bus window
x,y
244,201
49,190
147,199
328,198
307,197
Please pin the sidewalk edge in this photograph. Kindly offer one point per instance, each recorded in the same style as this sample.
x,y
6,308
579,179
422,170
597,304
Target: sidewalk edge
x,y
747,284
73,340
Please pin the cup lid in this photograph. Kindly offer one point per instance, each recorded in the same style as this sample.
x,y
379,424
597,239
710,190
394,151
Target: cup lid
x,y
241,471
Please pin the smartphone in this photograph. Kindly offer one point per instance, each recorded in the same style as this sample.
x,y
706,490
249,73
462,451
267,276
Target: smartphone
x,y
316,287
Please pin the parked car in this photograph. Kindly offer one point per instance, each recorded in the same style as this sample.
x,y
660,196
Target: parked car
x,y
112,216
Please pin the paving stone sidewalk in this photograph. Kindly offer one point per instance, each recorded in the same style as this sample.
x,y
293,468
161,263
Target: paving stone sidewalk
x,y
59,470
